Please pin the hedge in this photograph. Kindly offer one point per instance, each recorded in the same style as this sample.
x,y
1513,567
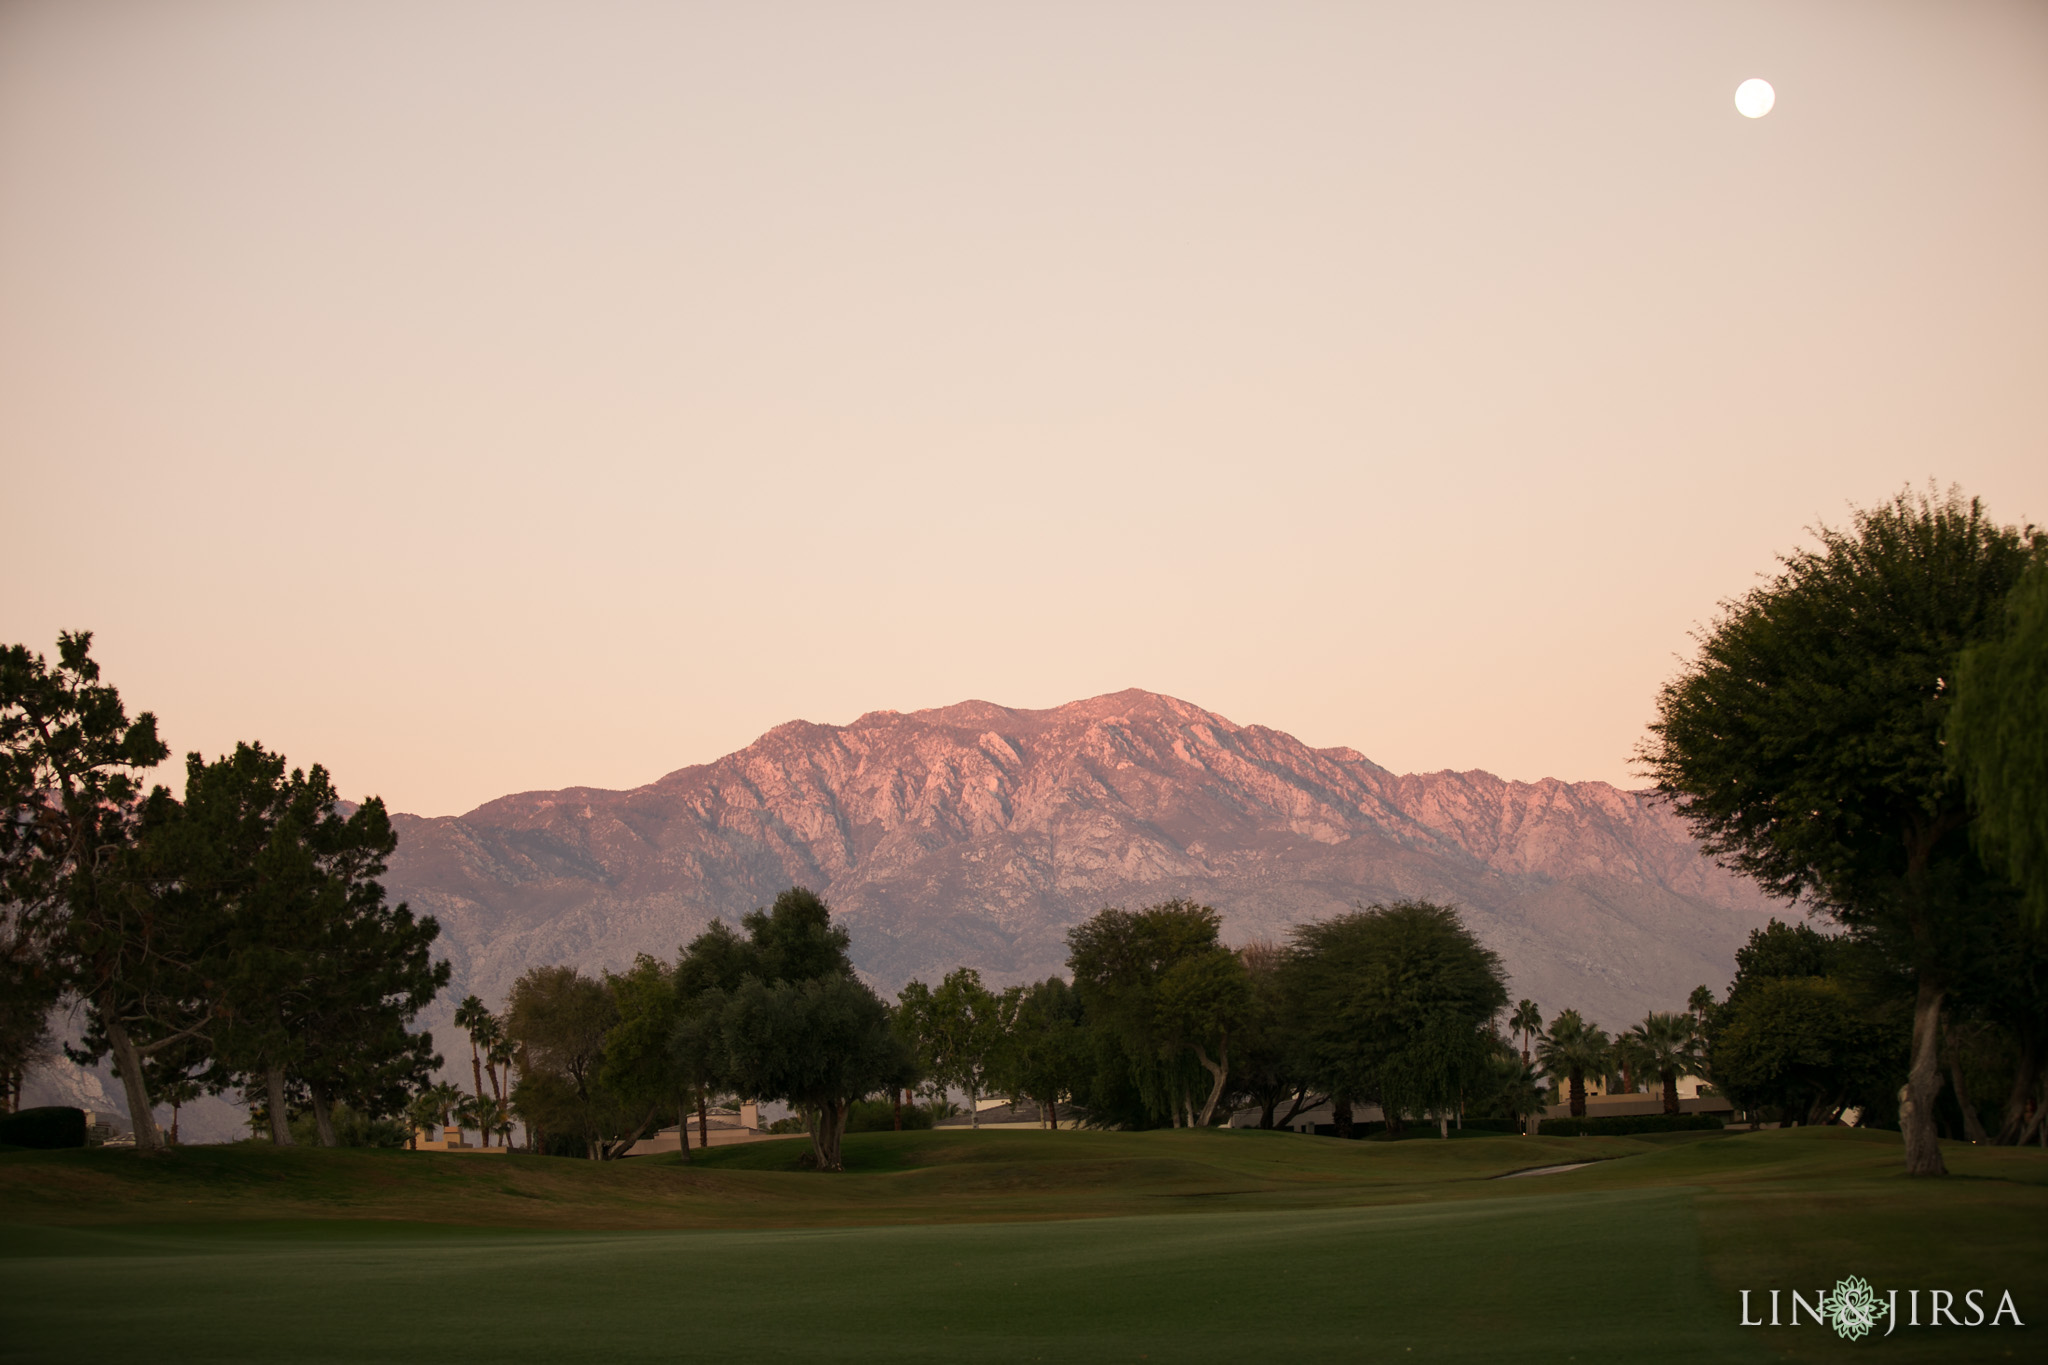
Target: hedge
x,y
1613,1126
55,1125
1621,1125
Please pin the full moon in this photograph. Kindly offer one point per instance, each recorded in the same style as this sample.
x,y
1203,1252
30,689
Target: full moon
x,y
1754,98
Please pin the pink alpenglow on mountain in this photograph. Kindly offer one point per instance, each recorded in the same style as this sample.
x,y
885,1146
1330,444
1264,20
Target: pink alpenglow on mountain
x,y
977,835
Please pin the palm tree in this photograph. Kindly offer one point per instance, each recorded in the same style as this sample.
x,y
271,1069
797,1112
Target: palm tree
x,y
422,1113
1571,1048
1626,1057
1522,1091
481,1025
498,1061
1527,1021
482,1113
1670,1046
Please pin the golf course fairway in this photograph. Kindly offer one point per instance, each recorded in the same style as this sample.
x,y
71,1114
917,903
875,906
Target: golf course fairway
x,y
1008,1246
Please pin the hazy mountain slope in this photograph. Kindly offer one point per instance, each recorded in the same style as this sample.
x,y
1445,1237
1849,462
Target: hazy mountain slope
x,y
977,834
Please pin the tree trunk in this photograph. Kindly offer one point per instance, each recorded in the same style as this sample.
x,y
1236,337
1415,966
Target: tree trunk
x,y
476,1070
2034,1125
616,1148
973,1109
1340,1115
1973,1127
1300,1102
1052,1110
896,1099
273,1093
1578,1093
703,1119
1219,1072
1267,1107
827,1127
1923,1084
128,1062
2026,1078
1443,1126
323,1119
1671,1092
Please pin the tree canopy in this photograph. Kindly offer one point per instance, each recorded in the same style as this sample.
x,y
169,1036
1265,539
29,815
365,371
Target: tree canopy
x,y
1804,743
1998,740
1395,1005
1163,984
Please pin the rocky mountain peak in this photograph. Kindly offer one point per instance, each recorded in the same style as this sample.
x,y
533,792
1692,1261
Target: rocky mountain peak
x,y
978,834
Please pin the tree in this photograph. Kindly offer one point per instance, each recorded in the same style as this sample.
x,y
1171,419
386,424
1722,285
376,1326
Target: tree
x,y
795,940
818,1045
1569,1049
317,977
71,876
1813,1024
28,992
478,1112
1998,740
958,1031
792,940
558,1019
1527,1020
1268,1063
1044,1055
1800,1044
641,1064
1670,1046
1203,1000
1162,984
1516,1089
475,1019
1396,1004
1804,744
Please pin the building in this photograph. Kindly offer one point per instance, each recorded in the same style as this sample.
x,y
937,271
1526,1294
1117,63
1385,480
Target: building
x,y
1000,1113
724,1128
450,1140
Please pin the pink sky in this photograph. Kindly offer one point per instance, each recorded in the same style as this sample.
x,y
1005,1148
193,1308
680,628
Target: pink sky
x,y
488,397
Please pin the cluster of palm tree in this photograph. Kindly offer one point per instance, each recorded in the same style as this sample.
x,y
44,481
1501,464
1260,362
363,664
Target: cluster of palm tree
x,y
491,1056
1666,1046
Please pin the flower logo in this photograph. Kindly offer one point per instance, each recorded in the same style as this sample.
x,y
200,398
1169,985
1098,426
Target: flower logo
x,y
1853,1308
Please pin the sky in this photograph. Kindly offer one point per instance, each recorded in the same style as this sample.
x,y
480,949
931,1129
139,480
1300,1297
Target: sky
x,y
480,398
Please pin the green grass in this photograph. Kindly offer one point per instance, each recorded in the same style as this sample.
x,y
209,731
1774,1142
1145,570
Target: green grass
x,y
1007,1246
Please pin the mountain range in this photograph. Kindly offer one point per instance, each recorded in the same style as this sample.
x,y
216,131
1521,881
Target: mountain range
x,y
978,834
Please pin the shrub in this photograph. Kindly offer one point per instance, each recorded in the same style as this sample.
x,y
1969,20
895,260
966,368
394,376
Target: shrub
x,y
1621,1125
879,1116
52,1126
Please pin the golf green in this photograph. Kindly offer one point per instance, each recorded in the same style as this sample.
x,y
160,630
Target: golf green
x,y
1012,1247
1606,1276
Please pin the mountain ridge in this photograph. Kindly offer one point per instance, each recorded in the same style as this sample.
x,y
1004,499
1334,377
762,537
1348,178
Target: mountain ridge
x,y
976,834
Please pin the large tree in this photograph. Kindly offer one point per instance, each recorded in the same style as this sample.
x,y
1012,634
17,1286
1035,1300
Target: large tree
x,y
956,1033
1670,1046
1804,743
816,1044
1998,740
1163,984
558,1019
1570,1050
318,977
1044,1054
1395,1004
641,1062
1268,1065
80,901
